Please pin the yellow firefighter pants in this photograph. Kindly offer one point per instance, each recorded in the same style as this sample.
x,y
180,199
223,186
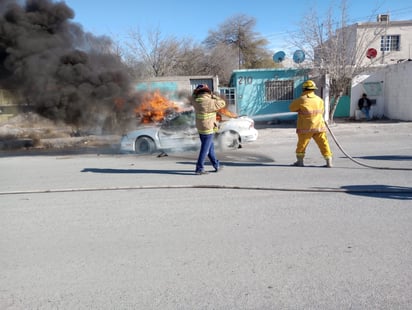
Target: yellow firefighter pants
x,y
320,139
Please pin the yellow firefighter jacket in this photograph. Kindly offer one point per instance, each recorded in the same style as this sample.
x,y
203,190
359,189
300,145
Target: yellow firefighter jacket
x,y
206,106
310,110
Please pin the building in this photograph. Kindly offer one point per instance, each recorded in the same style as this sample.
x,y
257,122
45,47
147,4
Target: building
x,y
369,44
361,49
8,105
390,40
385,54
389,88
265,94
174,87
262,94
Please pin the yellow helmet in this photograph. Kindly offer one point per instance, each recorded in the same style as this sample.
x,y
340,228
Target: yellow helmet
x,y
309,84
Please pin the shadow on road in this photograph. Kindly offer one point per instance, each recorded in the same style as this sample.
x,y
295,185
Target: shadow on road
x,y
232,164
387,157
380,191
138,171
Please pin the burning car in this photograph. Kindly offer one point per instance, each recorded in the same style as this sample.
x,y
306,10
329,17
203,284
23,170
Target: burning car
x,y
178,132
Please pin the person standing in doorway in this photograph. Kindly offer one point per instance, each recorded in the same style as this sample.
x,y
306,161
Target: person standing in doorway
x,y
364,105
206,105
310,123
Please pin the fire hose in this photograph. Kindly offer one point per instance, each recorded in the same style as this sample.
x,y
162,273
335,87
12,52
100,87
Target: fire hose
x,y
356,161
204,186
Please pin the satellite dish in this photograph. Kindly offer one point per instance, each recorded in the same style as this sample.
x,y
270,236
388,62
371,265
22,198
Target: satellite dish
x,y
299,56
371,53
279,57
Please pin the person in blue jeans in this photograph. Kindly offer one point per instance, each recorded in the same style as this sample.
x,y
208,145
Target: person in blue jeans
x,y
364,105
206,106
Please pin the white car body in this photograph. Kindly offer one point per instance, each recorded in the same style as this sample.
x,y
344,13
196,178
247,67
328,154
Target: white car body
x,y
178,132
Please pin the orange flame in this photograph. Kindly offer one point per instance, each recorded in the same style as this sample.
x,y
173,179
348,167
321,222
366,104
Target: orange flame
x,y
154,108
224,112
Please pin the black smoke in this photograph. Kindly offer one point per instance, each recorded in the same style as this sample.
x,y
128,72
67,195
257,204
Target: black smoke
x,y
54,67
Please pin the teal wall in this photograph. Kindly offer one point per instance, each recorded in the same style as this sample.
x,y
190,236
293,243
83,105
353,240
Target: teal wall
x,y
161,86
343,108
250,89
167,88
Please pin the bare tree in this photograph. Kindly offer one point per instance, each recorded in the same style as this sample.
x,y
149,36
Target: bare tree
x,y
337,50
159,54
156,56
191,60
222,61
237,35
232,46
138,70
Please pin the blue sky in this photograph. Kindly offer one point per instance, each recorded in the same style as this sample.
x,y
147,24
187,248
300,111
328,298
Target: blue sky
x,y
193,19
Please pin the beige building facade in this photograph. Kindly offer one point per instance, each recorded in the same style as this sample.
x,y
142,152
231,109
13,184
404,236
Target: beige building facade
x,y
390,40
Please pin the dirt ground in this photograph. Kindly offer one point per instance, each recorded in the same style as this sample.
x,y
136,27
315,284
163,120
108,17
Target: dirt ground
x,y
31,132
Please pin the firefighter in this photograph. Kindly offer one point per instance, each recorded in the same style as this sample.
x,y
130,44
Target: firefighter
x,y
310,123
206,105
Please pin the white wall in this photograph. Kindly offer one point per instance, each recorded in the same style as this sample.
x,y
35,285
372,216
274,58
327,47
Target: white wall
x,y
369,36
398,91
358,88
394,101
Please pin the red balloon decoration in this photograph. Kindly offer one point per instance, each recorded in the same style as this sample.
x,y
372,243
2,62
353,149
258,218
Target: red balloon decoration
x,y
371,53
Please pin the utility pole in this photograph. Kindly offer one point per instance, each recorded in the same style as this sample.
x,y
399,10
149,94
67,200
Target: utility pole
x,y
238,45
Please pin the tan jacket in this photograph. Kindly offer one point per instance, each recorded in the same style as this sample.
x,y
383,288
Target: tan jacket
x,y
206,106
310,110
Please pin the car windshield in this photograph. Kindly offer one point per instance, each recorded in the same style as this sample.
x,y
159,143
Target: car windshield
x,y
179,120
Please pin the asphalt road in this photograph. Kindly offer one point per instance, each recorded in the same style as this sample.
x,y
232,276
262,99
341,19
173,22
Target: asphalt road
x,y
111,231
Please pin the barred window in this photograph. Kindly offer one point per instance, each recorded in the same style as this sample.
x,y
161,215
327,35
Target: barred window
x,y
279,90
390,43
229,94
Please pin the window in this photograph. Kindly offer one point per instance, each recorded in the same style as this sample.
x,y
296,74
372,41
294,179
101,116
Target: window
x,y
229,94
383,18
279,90
390,43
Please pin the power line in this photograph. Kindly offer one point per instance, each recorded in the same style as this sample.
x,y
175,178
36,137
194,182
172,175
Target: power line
x,y
396,12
